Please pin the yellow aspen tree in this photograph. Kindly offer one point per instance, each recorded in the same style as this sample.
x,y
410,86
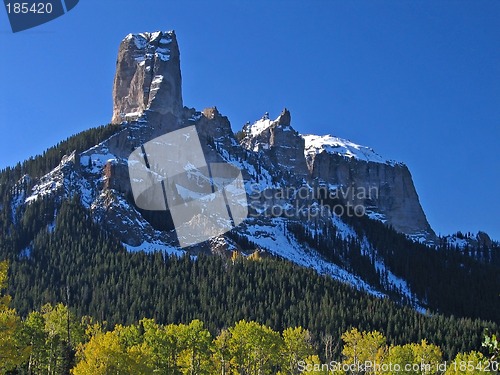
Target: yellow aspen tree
x,y
13,351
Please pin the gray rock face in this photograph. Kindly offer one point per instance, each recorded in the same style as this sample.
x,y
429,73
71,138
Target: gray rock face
x,y
148,76
384,189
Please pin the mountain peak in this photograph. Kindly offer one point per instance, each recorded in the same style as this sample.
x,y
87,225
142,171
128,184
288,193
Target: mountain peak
x,y
265,123
211,113
149,36
285,118
148,76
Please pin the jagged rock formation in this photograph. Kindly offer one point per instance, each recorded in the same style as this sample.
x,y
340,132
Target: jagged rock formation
x,y
469,241
280,144
148,76
273,157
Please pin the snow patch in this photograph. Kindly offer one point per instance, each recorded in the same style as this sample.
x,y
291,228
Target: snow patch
x,y
96,162
162,56
26,252
393,282
150,247
376,216
315,144
454,241
157,80
274,239
140,41
259,126
52,181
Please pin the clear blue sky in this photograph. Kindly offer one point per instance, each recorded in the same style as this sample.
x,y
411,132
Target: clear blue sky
x,y
419,81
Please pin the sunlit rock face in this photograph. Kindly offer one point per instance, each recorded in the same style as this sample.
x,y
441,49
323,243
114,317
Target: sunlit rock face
x,y
148,76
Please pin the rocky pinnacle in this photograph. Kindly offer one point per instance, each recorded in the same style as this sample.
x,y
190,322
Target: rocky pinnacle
x,y
148,76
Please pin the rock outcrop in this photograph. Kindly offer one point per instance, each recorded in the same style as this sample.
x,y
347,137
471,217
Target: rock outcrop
x,y
385,190
148,76
279,143
352,173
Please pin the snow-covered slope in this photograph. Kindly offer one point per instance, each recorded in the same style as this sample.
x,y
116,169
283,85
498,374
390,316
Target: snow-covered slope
x,y
343,147
259,126
273,238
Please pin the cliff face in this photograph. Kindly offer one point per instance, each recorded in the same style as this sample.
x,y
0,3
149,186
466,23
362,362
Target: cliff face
x,y
385,189
148,76
351,173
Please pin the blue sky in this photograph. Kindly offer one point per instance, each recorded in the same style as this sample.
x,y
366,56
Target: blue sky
x,y
419,81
